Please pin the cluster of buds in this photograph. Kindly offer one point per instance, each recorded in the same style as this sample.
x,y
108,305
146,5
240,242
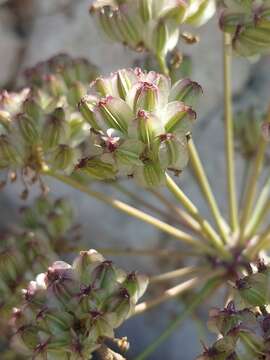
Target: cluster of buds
x,y
150,25
248,128
42,126
140,126
248,23
45,232
244,325
70,311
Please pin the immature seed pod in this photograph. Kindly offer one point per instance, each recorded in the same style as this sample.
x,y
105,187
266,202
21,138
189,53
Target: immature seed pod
x,y
92,292
139,128
151,25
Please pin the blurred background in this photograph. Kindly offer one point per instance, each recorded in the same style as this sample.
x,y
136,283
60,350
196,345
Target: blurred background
x,y
34,30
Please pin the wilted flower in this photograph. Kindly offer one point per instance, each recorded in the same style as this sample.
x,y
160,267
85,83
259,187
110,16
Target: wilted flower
x,y
151,25
42,126
248,130
69,310
139,125
248,23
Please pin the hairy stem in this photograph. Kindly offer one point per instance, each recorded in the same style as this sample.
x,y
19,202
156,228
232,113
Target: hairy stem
x,y
203,294
229,139
206,189
131,211
192,209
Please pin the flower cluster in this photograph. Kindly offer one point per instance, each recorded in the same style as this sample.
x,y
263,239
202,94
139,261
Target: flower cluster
x,y
139,125
45,232
248,23
244,327
148,24
69,311
41,125
248,127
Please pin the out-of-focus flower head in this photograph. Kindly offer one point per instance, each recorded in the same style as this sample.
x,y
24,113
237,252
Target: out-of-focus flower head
x,y
45,231
248,23
68,311
243,326
150,24
248,127
42,125
139,125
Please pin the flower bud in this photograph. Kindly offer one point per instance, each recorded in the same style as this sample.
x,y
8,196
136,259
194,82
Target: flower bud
x,y
253,289
78,307
145,95
96,169
186,91
28,128
173,151
8,153
179,118
64,158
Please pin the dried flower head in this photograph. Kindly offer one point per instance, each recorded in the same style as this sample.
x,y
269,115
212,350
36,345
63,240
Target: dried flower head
x,y
148,24
140,125
68,311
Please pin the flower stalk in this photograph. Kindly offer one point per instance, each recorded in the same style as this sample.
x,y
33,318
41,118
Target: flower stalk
x,y
233,211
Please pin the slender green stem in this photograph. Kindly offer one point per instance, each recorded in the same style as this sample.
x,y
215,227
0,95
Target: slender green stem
x,y
162,64
206,189
141,201
251,188
183,216
261,244
244,181
167,295
189,270
202,295
131,211
229,132
261,209
166,253
192,209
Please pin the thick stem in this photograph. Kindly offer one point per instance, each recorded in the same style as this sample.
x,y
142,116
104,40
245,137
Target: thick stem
x,y
229,139
202,295
131,211
251,188
206,189
192,209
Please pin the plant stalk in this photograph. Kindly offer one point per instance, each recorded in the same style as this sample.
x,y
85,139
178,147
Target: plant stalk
x,y
206,189
202,295
229,137
192,209
133,212
251,188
